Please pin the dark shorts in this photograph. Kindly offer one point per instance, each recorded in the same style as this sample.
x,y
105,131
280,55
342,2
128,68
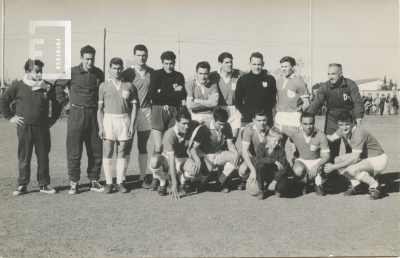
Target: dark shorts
x,y
163,117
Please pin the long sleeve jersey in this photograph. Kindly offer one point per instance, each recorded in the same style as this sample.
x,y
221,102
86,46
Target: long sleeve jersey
x,y
83,87
162,88
344,97
255,91
33,106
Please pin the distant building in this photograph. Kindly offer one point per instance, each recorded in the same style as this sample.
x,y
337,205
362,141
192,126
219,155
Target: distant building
x,y
371,86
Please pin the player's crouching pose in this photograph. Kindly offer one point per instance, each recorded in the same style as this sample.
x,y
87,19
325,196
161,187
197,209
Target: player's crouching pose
x,y
366,160
173,160
314,152
117,100
272,166
252,135
206,153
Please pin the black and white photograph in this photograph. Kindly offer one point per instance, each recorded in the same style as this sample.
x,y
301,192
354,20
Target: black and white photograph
x,y
184,128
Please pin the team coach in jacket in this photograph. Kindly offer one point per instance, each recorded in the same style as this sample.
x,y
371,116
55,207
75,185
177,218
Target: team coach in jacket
x,y
340,94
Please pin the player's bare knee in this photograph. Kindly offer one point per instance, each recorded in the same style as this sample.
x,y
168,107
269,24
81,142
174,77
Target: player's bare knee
x,y
242,169
155,161
353,170
299,170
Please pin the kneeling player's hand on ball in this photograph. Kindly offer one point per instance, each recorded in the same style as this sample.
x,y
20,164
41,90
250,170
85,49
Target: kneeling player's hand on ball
x,y
279,165
328,168
272,185
174,191
253,176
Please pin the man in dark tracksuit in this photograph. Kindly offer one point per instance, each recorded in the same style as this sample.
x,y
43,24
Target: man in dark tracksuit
x,y
32,96
82,127
255,91
340,94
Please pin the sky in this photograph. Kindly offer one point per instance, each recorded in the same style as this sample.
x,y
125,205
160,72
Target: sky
x,y
362,35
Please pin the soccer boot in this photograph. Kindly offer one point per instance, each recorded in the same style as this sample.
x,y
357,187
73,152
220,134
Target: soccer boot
x,y
96,186
319,190
20,190
146,183
162,190
154,184
374,193
47,189
242,186
353,190
121,188
74,188
108,189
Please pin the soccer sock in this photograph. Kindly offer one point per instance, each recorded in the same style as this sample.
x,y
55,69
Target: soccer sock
x,y
107,166
142,158
366,178
354,182
228,169
159,173
128,159
319,180
121,165
183,179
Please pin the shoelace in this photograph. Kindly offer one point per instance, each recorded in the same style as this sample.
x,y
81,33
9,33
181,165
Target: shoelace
x,y
20,188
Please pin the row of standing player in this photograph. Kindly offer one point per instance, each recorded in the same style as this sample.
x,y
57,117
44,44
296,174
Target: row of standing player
x,y
165,91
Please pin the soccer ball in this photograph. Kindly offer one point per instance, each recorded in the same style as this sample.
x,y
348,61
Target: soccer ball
x,y
252,188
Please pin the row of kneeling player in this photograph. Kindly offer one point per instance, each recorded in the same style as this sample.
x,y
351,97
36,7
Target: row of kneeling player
x,y
193,149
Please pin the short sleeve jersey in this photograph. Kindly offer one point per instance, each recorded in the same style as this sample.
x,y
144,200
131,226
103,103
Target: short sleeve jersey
x,y
310,147
210,139
363,142
177,143
290,92
196,91
226,86
117,96
251,136
141,81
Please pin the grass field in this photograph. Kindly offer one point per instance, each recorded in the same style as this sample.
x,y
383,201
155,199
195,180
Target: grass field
x,y
141,223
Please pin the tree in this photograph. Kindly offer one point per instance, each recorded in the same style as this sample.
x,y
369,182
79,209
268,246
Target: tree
x,y
390,84
384,80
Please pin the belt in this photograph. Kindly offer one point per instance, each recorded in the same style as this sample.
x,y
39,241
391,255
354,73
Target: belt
x,y
81,106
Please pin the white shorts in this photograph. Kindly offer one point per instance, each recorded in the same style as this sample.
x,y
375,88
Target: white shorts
x,y
309,163
178,162
379,163
212,158
116,126
288,118
234,116
202,116
143,120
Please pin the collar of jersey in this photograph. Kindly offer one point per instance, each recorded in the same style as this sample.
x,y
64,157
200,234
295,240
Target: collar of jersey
x,y
308,138
177,133
145,70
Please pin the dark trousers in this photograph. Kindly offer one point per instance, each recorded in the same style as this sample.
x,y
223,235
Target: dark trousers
x,y
266,174
381,110
29,136
83,128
